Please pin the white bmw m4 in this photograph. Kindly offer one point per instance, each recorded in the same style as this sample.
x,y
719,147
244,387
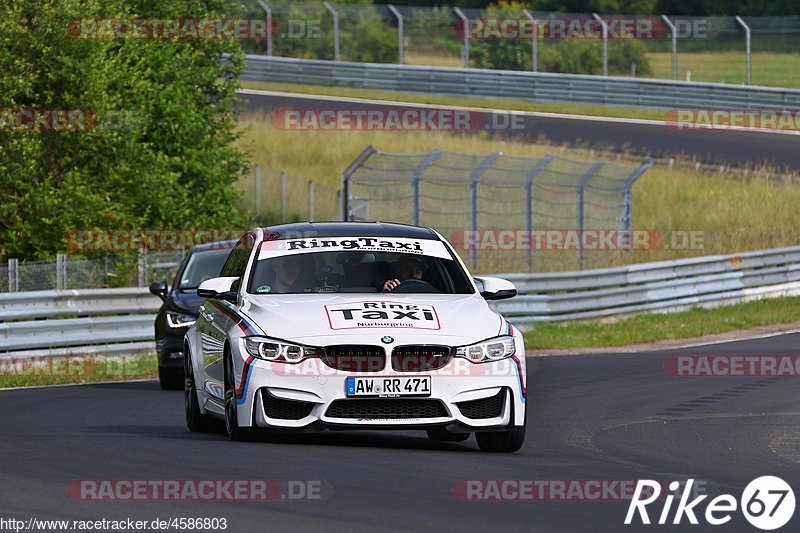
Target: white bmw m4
x,y
355,325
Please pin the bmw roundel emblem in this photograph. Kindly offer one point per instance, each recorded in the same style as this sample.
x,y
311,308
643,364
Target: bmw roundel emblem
x,y
386,339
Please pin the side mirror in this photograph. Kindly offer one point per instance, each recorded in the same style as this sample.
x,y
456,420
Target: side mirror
x,y
159,288
218,289
495,288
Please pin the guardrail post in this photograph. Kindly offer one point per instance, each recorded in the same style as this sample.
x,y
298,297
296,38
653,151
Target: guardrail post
x,y
416,176
283,196
474,179
534,41
400,38
604,26
61,272
335,29
13,275
344,186
530,179
465,22
747,45
674,32
581,208
268,11
310,200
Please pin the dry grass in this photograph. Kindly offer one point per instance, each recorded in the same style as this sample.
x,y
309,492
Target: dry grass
x,y
730,213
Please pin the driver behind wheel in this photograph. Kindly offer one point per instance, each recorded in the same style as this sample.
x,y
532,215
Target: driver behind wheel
x,y
405,268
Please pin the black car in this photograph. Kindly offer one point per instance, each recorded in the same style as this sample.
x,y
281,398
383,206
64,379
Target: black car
x,y
181,307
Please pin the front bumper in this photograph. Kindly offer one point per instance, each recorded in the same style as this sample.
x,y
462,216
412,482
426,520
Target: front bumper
x,y
465,397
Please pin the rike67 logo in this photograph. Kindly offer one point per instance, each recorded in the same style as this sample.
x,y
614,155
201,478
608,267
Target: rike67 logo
x,y
767,503
382,315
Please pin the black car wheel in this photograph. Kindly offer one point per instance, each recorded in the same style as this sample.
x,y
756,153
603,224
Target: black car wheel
x,y
195,420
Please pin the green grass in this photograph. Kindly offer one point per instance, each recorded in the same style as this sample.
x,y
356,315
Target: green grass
x,y
655,327
771,69
489,103
62,370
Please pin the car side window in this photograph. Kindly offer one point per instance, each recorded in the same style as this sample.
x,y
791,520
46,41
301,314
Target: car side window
x,y
236,263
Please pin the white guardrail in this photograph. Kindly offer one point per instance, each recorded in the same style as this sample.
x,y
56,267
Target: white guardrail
x,y
121,320
534,86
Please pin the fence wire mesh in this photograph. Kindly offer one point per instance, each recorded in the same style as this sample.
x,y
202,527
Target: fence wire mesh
x,y
504,213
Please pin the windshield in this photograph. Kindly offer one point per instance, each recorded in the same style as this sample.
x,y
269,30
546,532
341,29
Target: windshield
x,y
202,266
358,272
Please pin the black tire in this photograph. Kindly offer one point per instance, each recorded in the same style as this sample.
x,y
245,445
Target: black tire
x,y
232,427
442,435
508,441
171,378
195,420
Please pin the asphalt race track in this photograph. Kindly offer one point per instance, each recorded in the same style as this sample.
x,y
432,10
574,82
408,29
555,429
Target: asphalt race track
x,y
727,147
599,417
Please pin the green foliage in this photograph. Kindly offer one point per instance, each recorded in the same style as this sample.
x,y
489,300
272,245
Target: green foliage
x,y
166,160
575,56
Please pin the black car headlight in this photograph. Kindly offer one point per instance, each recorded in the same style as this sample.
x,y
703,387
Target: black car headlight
x,y
488,350
277,350
177,320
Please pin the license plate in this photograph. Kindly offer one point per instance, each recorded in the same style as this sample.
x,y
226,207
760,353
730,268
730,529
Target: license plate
x,y
388,386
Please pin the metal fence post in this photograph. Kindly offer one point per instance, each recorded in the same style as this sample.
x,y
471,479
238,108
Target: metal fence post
x,y
465,22
257,178
581,208
747,45
416,176
283,196
344,185
674,31
534,41
268,11
604,25
13,275
141,268
400,38
61,272
626,217
310,200
474,179
530,179
335,29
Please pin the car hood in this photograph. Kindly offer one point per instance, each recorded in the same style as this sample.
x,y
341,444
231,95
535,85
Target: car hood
x,y
323,319
187,300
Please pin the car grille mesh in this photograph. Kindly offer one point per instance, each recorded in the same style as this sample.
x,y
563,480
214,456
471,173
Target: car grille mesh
x,y
387,408
420,358
283,409
491,407
355,358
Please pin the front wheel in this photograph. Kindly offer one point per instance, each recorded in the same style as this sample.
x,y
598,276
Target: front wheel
x,y
235,431
195,420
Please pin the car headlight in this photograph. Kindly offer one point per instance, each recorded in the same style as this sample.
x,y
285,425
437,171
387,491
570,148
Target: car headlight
x,y
278,351
491,350
180,320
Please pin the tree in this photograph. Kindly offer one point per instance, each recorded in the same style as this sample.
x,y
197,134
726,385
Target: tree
x,y
155,147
